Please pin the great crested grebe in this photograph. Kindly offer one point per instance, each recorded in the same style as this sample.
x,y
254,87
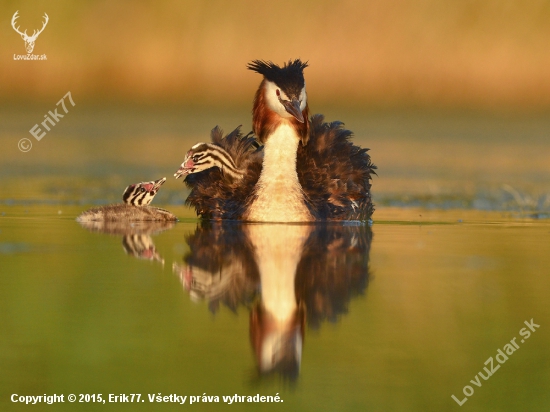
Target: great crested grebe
x,y
135,207
310,171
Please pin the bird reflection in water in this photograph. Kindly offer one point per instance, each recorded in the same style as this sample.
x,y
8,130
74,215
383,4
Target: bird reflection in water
x,y
284,274
136,236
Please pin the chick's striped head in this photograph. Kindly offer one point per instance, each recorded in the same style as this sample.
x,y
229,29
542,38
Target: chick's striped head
x,y
141,194
203,156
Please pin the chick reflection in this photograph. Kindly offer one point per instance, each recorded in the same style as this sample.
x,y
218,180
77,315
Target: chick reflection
x,y
136,236
297,271
220,266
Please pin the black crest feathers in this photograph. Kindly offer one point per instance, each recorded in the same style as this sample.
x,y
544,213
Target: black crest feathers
x,y
290,77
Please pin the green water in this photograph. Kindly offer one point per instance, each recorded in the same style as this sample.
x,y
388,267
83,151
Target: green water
x,y
79,315
399,316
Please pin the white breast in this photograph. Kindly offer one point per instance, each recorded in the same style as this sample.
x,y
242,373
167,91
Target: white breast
x,y
279,195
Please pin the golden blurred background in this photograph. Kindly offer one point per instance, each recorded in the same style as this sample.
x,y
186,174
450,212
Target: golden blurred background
x,y
452,97
474,54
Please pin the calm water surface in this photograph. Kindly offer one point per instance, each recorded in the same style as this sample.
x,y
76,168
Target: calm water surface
x,y
398,316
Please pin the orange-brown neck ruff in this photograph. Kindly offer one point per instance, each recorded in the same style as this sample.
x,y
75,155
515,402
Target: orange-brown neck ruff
x,y
265,120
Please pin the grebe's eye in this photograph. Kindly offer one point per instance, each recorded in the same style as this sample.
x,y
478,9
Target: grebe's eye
x,y
278,93
142,190
195,158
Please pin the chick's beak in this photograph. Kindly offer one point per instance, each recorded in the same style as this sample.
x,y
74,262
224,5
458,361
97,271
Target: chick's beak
x,y
293,107
186,167
158,183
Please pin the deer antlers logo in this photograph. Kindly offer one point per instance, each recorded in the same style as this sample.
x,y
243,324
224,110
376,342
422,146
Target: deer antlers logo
x,y
29,40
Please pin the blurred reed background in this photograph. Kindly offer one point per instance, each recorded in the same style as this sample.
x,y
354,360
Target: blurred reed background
x,y
451,97
488,54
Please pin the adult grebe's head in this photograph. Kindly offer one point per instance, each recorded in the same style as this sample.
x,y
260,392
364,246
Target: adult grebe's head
x,y
284,87
141,194
281,96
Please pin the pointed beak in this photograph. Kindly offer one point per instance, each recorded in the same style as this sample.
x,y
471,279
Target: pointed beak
x,y
158,183
186,167
293,107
